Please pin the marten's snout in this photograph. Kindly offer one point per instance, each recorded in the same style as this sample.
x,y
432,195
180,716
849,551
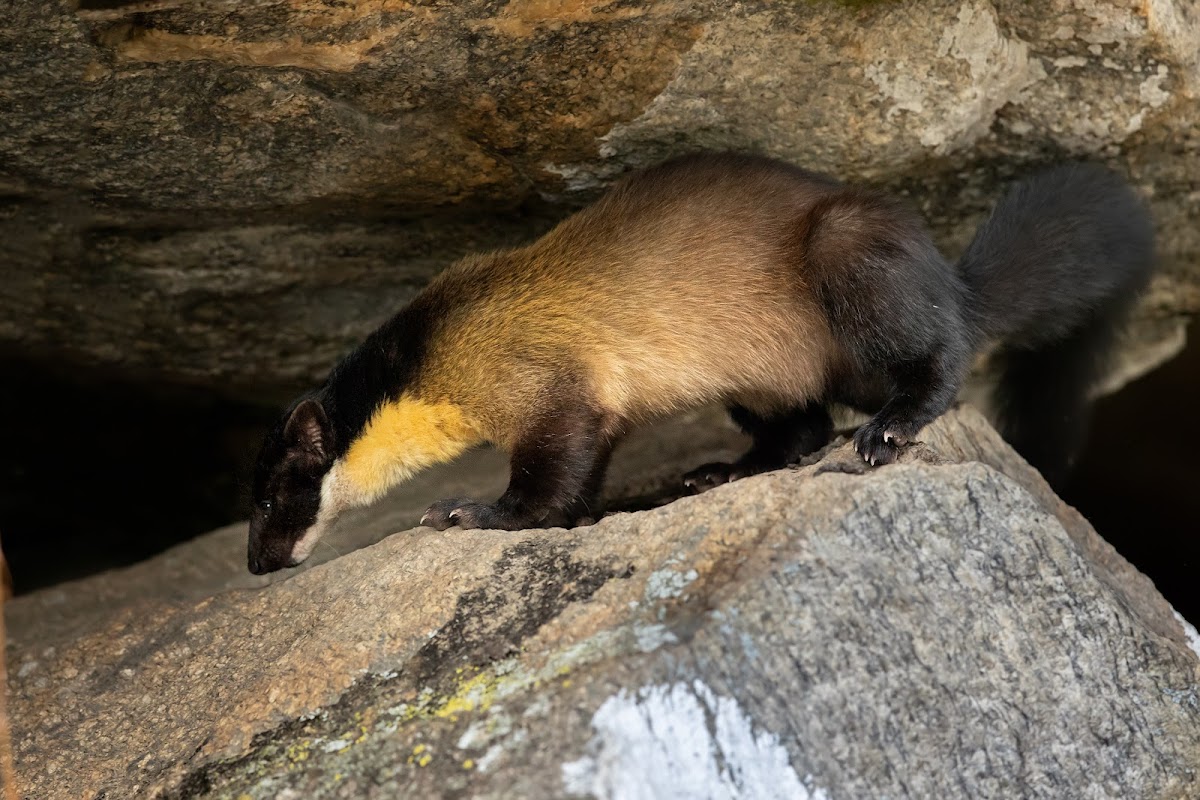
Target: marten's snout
x,y
262,558
261,564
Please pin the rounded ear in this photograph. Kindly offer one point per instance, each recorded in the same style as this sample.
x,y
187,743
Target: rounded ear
x,y
307,429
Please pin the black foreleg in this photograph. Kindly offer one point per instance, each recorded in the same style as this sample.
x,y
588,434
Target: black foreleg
x,y
557,469
779,440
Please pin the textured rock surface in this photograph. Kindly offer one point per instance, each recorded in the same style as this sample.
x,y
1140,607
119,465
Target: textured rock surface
x,y
645,468
940,628
234,191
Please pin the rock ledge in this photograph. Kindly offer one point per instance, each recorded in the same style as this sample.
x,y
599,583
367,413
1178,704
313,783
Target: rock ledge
x,y
940,628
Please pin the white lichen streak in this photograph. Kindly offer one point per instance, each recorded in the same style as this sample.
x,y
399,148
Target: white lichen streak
x,y
665,584
1151,91
677,741
949,110
1000,70
1189,630
1176,23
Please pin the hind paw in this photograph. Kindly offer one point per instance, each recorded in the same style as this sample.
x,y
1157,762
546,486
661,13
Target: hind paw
x,y
711,476
878,444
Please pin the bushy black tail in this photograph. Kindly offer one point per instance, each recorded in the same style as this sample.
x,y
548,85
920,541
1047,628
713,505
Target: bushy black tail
x,y
1052,274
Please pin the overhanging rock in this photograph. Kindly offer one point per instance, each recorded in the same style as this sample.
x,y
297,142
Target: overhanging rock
x,y
233,193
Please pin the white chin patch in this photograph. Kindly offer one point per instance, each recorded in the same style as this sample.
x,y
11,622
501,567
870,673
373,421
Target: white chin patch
x,y
303,547
326,512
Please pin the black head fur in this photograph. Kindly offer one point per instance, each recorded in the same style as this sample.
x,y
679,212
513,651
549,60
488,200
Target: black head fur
x,y
319,427
296,455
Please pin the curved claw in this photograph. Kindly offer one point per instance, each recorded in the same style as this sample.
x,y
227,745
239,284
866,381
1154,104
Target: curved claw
x,y
710,476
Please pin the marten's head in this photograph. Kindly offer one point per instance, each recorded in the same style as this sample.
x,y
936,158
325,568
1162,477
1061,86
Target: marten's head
x,y
293,472
303,479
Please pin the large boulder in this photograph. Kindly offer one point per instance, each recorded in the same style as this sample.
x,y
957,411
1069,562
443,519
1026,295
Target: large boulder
x,y
944,627
232,193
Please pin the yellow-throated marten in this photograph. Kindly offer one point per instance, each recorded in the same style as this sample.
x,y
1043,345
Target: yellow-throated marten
x,y
729,278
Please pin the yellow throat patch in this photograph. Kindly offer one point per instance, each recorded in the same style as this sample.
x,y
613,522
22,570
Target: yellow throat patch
x,y
401,439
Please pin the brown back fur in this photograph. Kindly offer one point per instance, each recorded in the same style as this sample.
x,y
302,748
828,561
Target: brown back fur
x,y
681,286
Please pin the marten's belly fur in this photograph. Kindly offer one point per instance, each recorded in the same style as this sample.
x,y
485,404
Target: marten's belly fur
x,y
712,278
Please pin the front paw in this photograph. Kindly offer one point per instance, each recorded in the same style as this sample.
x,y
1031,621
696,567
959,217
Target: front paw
x,y
465,513
877,444
445,513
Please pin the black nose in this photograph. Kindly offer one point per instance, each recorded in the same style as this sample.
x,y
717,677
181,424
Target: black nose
x,y
255,565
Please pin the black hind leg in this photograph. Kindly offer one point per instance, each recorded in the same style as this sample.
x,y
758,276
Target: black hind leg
x,y
922,390
779,440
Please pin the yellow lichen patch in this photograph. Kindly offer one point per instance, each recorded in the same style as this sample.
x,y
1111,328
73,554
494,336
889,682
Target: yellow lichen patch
x,y
469,764
402,438
298,753
475,693
366,721
472,694
420,756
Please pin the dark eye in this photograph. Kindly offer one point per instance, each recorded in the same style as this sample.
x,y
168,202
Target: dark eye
x,y
265,505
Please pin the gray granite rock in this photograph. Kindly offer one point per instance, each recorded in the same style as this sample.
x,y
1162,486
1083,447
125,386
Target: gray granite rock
x,y
944,627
